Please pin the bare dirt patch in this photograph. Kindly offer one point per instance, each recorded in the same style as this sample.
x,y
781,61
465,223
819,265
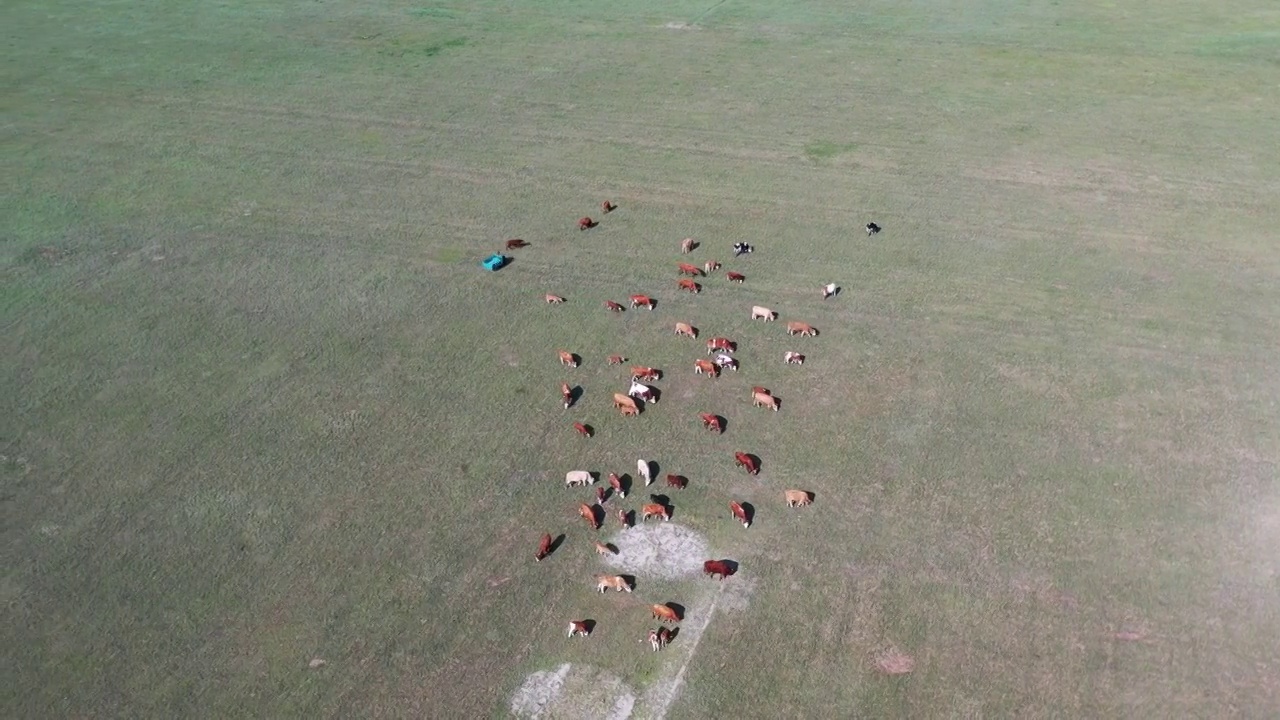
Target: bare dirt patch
x,y
572,691
665,550
892,661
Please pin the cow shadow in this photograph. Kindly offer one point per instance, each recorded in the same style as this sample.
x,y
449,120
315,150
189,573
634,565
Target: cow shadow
x,y
657,394
630,580
591,431
597,514
750,510
575,392
555,544
625,481
673,634
679,610
756,459
662,500
590,625
577,361
731,564
724,424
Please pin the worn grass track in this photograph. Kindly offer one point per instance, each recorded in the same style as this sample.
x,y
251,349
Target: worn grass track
x,y
261,405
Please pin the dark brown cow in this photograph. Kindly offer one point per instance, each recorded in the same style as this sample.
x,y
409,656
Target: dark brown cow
x,y
746,461
586,223
712,422
740,514
601,496
516,244
718,567
679,482
689,286
607,207
544,548
736,277
615,307
583,430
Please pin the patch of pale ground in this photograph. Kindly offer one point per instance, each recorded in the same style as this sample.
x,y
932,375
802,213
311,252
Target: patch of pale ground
x,y
663,550
573,692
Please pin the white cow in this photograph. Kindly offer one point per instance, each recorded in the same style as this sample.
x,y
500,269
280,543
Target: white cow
x,y
829,289
724,361
644,392
642,467
578,477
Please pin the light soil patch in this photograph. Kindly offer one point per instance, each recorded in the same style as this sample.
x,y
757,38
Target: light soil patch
x,y
664,550
571,692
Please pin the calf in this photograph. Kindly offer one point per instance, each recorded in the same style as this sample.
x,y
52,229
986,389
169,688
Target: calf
x,y
624,518
721,344
607,207
744,460
687,330
603,549
544,548
566,394
578,478
615,307
687,269
712,422
759,312
615,482
616,359
665,613
829,289
579,627
612,582
724,361
568,358
687,245
736,277
553,299
718,567
516,244
872,229
793,358
689,286
658,639
740,514
655,510
710,266
601,497
639,300
583,430
642,469
705,367
801,329
588,513
765,400
679,482
586,223
798,498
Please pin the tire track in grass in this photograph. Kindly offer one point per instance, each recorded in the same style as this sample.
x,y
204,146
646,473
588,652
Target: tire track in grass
x,y
663,692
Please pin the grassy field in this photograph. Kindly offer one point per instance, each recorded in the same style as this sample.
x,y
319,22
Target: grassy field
x,y
260,404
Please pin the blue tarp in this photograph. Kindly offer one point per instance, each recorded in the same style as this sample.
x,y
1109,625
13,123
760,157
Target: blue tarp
x,y
494,262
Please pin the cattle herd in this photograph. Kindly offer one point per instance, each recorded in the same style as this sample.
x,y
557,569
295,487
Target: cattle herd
x,y
632,403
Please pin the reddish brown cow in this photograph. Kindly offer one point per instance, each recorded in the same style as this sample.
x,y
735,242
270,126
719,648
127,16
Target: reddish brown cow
x,y
629,411
586,223
624,518
544,548
721,343
615,482
758,389
736,277
689,286
801,329
740,514
583,430
613,306
687,269
601,497
607,207
718,567
679,482
645,300
687,330
516,244
705,367
567,358
665,613
712,422
648,374
616,359
553,299
588,513
744,460
566,394
579,627
655,510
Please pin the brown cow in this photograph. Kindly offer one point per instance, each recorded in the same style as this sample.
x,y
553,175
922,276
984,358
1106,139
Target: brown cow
x,y
740,514
579,627
687,245
736,277
629,411
588,513
568,358
645,300
607,207
615,482
516,244
718,567
759,312
689,286
721,343
802,329
625,403
615,307
586,223
793,358
544,548
710,266
712,422
687,269
648,374
705,367
655,510
601,497
665,613
765,400
612,582
624,518
583,430
687,330
758,389
746,461
603,549
567,394
553,299
678,482
616,359
798,498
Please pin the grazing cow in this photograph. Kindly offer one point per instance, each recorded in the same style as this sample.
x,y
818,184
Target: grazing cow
x,y
655,510
740,514
629,411
744,460
758,389
759,312
578,478
586,223
793,358
742,249
687,269
712,422
603,549
588,513
644,392
765,400
544,548
829,289
568,358
642,469
678,482
583,430
710,266
872,229
665,613
624,517
612,582
607,207
615,307
718,567
687,245
798,498
553,299
626,404
721,344
616,359
801,329
724,361
736,277
601,497
567,394
648,374
516,244
687,330
579,627
645,300
705,367
615,482
689,286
